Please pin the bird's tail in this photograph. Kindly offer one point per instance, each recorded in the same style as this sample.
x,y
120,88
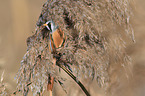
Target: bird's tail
x,y
50,83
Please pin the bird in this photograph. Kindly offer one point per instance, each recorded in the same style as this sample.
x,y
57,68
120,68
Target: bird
x,y
56,41
56,36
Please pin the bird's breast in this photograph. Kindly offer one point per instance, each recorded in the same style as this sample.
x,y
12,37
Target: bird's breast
x,y
58,37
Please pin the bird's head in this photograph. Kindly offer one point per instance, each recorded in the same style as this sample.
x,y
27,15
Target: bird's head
x,y
50,25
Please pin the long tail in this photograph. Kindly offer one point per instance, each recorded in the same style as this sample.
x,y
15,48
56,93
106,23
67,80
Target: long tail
x,y
50,83
51,79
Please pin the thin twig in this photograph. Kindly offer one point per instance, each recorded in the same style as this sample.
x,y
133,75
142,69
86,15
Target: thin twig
x,y
15,92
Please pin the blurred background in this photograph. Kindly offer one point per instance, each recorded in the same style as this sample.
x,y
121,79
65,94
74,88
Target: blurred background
x,y
17,22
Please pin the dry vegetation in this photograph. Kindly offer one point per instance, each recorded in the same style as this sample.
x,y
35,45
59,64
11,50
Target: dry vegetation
x,y
2,86
93,47
99,39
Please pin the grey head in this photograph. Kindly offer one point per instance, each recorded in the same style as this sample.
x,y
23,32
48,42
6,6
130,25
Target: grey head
x,y
50,25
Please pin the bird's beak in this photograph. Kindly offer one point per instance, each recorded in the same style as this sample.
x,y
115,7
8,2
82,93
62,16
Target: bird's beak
x,y
46,26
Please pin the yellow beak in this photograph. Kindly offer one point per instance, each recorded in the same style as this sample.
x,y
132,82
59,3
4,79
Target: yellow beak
x,y
44,24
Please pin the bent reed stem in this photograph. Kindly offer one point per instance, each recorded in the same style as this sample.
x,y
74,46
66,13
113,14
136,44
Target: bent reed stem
x,y
75,79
